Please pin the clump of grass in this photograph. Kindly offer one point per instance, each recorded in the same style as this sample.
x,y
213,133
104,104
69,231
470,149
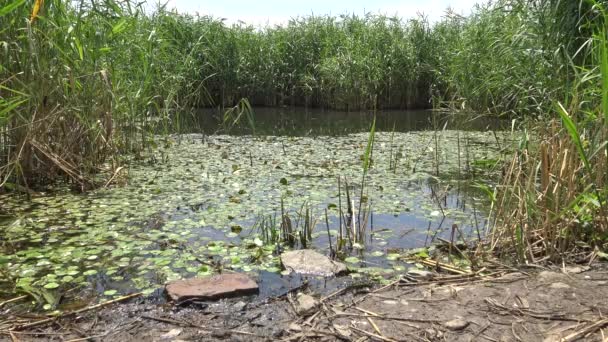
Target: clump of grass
x,y
552,202
81,82
293,229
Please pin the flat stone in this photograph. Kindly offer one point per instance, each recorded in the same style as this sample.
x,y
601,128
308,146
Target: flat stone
x,y
306,304
456,324
214,287
306,261
559,285
171,334
342,330
239,306
549,276
295,327
576,269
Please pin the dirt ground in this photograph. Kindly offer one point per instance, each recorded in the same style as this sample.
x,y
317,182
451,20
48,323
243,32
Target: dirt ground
x,y
530,304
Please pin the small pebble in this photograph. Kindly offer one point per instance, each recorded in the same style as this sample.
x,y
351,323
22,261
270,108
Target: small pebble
x,y
456,324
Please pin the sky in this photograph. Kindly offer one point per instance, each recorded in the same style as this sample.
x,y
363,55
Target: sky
x,y
277,12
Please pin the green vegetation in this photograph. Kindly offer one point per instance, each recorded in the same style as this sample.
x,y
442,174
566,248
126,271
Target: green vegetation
x,y
553,200
82,82
87,87
190,216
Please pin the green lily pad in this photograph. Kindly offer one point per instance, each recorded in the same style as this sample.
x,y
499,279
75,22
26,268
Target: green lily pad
x,y
352,260
51,286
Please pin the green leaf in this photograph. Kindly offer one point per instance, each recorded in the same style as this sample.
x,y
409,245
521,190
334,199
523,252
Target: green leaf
x,y
90,272
573,132
121,26
352,260
370,146
10,7
51,286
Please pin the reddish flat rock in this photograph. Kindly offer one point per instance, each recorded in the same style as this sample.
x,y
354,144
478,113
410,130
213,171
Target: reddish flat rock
x,y
214,287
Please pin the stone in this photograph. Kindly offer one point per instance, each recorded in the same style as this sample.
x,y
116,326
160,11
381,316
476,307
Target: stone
x,y
576,269
295,327
456,324
306,304
306,261
559,285
342,330
239,306
549,276
214,287
171,334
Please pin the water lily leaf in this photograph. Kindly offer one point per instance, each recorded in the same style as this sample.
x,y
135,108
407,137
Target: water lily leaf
x,y
393,256
51,286
352,260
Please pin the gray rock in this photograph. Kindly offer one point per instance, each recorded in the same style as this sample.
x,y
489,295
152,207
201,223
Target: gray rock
x,y
306,261
171,334
343,330
215,287
239,306
295,327
576,269
559,285
456,324
306,304
549,276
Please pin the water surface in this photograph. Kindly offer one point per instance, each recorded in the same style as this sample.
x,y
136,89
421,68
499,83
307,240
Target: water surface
x,y
193,206
300,121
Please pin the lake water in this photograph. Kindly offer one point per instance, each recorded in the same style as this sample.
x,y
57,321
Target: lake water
x,y
314,122
196,204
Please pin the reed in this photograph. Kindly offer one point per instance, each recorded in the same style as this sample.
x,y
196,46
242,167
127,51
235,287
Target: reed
x,y
552,201
85,83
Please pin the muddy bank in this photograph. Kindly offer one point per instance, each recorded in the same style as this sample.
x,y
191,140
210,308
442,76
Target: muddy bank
x,y
514,305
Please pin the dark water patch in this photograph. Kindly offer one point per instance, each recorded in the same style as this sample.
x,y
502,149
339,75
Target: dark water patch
x,y
298,121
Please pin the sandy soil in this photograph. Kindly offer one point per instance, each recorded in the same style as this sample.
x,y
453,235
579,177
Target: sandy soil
x,y
525,305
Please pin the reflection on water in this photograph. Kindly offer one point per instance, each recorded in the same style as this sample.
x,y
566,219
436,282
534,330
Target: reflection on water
x,y
315,122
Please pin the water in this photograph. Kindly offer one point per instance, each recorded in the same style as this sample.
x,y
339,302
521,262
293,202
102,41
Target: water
x,y
197,198
291,121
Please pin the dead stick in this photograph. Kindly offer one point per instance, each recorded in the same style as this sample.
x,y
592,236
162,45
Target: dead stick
x,y
12,300
366,311
389,318
97,306
585,331
371,321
